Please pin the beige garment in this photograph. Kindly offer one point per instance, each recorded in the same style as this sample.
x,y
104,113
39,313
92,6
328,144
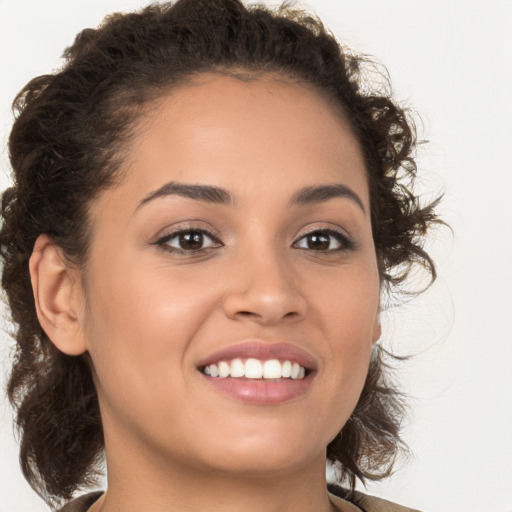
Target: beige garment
x,y
360,503
363,502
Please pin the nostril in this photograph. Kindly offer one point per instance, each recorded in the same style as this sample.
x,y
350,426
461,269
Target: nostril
x,y
290,314
256,306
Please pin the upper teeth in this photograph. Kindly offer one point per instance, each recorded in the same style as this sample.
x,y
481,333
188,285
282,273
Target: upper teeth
x,y
256,369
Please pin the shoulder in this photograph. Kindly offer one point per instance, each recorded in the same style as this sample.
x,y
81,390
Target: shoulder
x,y
82,503
365,502
372,504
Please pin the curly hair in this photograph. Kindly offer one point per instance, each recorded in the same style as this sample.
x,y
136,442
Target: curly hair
x,y
66,146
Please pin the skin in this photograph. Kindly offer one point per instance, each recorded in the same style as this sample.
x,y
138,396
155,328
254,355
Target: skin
x,y
147,316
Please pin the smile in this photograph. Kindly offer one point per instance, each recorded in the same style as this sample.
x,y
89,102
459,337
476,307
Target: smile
x,y
260,373
251,368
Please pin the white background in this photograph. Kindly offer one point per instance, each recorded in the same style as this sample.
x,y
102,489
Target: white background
x,y
452,61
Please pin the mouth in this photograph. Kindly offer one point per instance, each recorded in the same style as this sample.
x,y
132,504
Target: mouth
x,y
260,373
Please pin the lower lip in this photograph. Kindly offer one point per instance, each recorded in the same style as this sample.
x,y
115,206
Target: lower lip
x,y
263,392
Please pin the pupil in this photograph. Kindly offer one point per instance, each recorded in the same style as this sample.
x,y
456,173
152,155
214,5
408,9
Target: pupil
x,y
318,242
193,240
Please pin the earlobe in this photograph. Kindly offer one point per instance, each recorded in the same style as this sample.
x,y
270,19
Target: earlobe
x,y
57,295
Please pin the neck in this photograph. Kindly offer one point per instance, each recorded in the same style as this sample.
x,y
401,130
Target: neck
x,y
138,482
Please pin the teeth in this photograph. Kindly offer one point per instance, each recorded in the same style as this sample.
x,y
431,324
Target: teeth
x,y
295,371
253,369
256,369
224,369
272,369
286,369
237,368
214,370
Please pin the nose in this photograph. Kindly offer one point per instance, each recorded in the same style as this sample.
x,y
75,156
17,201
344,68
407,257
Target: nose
x,y
264,289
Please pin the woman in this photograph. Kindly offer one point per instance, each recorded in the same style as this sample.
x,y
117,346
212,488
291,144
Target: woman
x,y
208,203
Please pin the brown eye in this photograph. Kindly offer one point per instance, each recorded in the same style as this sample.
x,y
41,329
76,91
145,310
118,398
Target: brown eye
x,y
188,241
318,242
191,241
324,241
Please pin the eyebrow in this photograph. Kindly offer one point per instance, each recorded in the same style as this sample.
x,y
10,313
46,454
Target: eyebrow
x,y
206,193
321,193
212,194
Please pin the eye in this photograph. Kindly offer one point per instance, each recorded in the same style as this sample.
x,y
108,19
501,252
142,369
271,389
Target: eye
x,y
324,240
188,241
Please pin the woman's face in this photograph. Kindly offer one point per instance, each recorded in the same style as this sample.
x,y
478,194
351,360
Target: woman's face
x,y
240,234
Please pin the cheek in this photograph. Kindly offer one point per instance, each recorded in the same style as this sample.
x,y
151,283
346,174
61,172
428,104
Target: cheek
x,y
140,339
348,305
138,331
347,312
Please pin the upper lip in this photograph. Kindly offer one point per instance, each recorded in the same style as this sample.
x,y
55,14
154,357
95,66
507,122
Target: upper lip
x,y
258,349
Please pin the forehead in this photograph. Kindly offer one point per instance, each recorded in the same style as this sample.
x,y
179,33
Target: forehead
x,y
220,129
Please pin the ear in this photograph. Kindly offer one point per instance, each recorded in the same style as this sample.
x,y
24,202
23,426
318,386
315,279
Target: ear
x,y
58,296
377,330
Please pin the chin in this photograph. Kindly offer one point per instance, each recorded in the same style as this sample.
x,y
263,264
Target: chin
x,y
265,455
263,464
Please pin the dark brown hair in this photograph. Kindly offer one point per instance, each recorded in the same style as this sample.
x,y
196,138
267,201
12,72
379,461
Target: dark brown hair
x,y
65,148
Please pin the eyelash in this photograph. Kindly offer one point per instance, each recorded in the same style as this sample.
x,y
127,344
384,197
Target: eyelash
x,y
345,242
163,241
341,238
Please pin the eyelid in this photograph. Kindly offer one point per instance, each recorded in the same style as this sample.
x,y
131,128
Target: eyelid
x,y
343,239
172,233
346,242
185,226
179,232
